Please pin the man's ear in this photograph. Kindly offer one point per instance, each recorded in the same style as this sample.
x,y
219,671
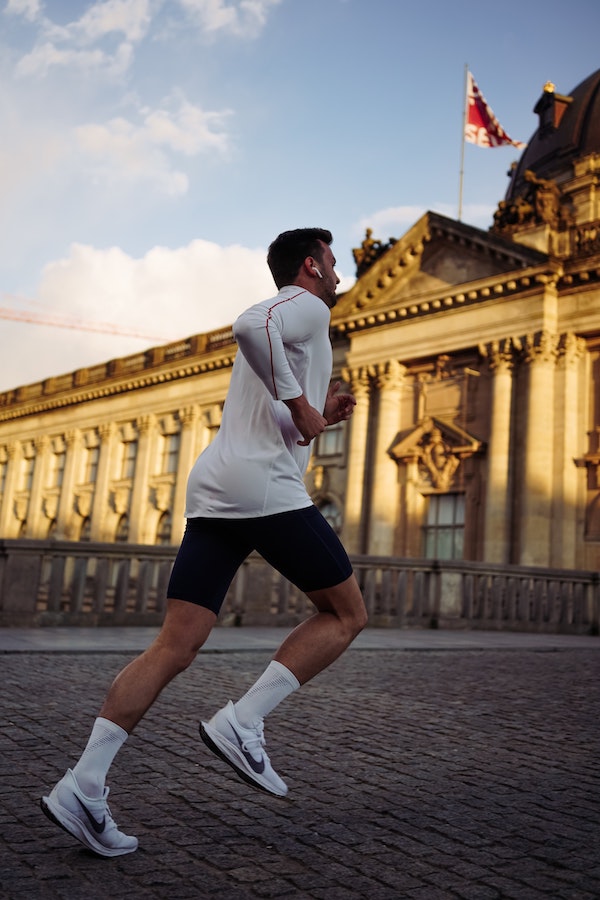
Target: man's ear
x,y
312,267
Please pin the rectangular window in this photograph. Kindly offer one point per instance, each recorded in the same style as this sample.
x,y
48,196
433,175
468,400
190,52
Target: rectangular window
x,y
445,526
170,454
91,464
331,441
128,457
57,469
27,465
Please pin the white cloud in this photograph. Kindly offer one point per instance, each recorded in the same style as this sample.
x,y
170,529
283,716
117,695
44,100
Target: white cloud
x,y
131,18
394,221
391,221
123,151
188,130
174,293
47,55
245,18
29,9
67,46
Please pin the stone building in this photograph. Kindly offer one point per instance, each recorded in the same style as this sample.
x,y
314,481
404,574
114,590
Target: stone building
x,y
475,360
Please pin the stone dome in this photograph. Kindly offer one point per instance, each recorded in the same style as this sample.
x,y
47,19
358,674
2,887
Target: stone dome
x,y
569,129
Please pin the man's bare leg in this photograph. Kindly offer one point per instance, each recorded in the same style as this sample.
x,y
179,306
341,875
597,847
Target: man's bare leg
x,y
235,732
185,629
78,802
317,642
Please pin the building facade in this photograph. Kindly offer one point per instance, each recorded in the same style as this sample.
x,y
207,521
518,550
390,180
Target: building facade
x,y
474,357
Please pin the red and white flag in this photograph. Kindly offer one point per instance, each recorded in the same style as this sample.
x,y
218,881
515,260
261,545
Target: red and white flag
x,y
481,125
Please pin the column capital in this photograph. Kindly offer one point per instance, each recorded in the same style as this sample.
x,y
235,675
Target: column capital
x,y
500,355
11,449
71,437
389,375
188,416
541,346
571,349
106,431
145,424
359,380
41,444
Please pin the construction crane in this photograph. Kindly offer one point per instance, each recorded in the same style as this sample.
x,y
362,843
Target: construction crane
x,y
17,315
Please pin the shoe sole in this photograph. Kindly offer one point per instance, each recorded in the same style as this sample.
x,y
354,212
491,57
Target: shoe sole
x,y
238,769
78,833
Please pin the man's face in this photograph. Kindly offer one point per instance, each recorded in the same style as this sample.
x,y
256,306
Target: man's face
x,y
326,287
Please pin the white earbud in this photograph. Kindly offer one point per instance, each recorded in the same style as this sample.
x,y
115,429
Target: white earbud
x,y
314,268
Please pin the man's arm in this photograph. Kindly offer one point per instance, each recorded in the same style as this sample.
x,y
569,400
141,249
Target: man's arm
x,y
309,421
306,418
338,407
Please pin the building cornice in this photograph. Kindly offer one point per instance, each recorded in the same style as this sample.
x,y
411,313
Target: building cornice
x,y
187,358
473,293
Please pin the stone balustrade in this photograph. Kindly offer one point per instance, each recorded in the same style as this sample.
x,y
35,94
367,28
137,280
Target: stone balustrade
x,y
83,583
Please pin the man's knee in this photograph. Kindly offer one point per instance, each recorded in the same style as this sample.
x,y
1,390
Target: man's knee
x,y
357,617
361,617
185,630
177,655
345,601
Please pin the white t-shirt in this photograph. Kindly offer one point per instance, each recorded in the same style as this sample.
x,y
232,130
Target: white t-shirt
x,y
254,466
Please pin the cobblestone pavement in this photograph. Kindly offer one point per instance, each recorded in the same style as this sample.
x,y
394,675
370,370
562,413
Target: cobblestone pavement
x,y
432,774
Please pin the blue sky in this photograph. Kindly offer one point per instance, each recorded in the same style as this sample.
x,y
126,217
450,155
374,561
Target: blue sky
x,y
153,148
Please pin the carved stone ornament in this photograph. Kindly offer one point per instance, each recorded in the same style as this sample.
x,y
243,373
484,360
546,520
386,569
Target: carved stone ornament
x,y
83,503
438,448
369,252
50,506
21,507
161,497
540,203
119,500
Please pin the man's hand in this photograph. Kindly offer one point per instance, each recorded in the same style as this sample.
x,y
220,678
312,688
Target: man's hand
x,y
338,407
306,418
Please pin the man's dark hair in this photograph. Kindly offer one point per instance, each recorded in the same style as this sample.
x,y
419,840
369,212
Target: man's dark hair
x,y
289,250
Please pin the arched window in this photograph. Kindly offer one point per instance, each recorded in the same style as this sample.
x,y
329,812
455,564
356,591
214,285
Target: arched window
x,y
122,532
331,511
163,532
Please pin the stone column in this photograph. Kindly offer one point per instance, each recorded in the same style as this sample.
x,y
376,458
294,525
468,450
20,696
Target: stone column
x,y
100,506
35,526
67,527
187,454
385,492
570,485
497,511
8,522
139,496
536,486
354,519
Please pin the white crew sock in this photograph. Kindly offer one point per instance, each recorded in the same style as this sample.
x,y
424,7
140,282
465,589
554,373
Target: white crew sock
x,y
105,741
272,687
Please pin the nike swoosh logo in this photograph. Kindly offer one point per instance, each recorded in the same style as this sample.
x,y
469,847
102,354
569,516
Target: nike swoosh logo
x,y
97,826
257,765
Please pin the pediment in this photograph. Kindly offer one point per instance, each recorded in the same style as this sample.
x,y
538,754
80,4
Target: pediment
x,y
438,448
436,254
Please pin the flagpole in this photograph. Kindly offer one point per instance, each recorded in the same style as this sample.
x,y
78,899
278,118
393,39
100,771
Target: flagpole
x,y
462,145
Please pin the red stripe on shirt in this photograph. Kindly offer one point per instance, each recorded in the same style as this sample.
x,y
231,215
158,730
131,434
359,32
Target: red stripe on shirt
x,y
269,315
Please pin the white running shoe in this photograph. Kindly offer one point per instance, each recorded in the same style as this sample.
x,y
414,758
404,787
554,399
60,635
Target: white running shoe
x,y
90,821
243,749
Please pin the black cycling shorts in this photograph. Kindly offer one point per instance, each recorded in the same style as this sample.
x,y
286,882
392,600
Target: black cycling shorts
x,y
300,544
